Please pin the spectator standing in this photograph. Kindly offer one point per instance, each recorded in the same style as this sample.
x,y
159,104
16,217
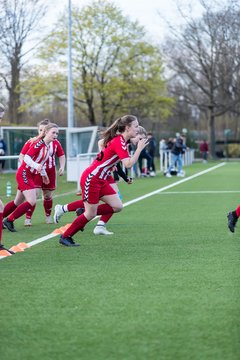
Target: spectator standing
x,y
151,148
144,155
163,152
177,150
204,150
3,152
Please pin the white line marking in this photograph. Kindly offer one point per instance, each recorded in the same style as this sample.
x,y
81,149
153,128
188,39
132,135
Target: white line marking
x,y
47,237
201,192
173,185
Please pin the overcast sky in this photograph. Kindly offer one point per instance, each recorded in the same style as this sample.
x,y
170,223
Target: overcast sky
x,y
145,11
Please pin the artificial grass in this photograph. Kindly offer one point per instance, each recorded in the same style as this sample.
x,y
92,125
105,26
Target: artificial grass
x,y
164,286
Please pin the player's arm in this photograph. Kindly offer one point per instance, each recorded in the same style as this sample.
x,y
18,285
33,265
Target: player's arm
x,y
123,174
130,161
62,162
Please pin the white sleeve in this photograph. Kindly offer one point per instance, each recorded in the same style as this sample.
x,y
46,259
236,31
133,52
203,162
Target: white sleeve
x,y
43,171
29,161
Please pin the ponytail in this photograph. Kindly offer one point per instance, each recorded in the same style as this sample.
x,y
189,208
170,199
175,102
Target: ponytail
x,y
117,127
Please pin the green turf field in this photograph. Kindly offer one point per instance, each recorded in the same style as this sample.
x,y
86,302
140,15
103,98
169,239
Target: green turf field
x,y
165,286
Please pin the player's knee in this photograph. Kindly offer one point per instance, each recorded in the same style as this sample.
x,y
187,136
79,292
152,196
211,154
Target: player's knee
x,y
118,208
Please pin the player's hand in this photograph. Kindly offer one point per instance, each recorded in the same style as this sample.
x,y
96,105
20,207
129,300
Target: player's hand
x,y
39,167
45,179
61,171
142,143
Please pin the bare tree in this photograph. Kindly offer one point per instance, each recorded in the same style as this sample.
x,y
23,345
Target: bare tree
x,y
204,56
18,21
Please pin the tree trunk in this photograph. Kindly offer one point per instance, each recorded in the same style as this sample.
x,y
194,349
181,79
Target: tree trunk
x,y
91,114
211,133
14,93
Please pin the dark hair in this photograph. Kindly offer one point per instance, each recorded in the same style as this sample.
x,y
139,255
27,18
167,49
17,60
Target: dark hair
x,y
118,126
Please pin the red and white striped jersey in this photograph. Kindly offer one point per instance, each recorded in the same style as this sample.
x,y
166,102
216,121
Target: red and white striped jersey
x,y
55,149
115,151
38,153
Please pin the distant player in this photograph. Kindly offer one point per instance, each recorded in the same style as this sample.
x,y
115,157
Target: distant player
x,y
55,150
27,175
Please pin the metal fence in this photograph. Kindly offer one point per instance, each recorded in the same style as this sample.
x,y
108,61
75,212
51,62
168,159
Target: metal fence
x,y
165,158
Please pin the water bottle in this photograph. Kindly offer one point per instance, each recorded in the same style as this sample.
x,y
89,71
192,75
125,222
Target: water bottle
x,y
8,189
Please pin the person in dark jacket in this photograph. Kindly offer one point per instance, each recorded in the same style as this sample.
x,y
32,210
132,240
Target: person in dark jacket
x,y
3,152
177,151
151,148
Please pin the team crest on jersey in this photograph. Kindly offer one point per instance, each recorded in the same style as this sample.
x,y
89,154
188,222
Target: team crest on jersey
x,y
38,144
123,144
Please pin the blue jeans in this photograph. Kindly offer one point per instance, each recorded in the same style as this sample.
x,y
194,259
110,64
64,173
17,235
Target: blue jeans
x,y
176,160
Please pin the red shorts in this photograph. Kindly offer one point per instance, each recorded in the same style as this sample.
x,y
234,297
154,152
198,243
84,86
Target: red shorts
x,y
38,181
51,173
111,180
93,188
26,180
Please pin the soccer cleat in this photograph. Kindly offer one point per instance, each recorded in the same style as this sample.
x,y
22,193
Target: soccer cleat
x,y
3,248
3,226
80,211
58,212
9,225
101,230
28,222
49,219
168,175
67,241
232,221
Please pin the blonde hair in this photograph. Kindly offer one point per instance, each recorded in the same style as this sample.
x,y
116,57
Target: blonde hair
x,y
118,126
142,131
49,127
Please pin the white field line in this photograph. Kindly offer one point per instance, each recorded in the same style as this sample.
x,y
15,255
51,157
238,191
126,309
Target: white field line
x,y
173,185
47,237
201,192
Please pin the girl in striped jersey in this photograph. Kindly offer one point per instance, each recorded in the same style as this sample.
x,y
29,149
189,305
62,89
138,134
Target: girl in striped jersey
x,y
28,175
78,206
94,183
55,149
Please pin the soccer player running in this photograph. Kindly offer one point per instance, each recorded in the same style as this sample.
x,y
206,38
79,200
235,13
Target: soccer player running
x,y
28,174
2,111
78,206
94,183
55,149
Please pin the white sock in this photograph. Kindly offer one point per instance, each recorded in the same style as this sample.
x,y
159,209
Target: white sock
x,y
65,208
